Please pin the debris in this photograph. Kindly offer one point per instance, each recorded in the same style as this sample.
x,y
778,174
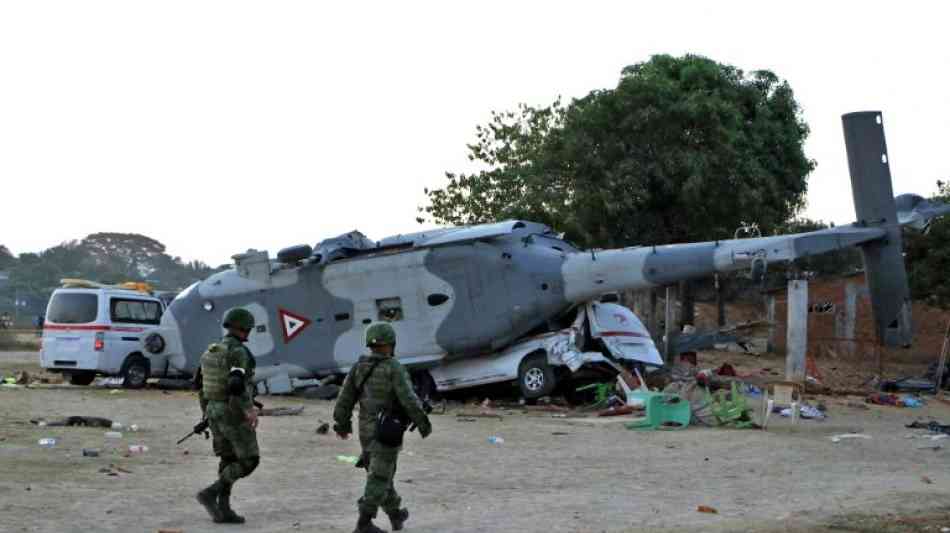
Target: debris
x,y
323,428
926,480
323,392
487,404
480,415
559,433
165,530
494,439
931,446
116,391
282,411
82,421
174,384
707,509
857,405
90,452
805,411
138,448
48,442
347,459
933,426
619,411
547,408
466,419
113,435
186,452
839,438
23,378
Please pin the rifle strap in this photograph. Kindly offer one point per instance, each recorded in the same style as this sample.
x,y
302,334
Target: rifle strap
x,y
359,388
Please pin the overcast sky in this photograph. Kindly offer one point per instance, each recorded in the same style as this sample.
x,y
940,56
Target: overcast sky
x,y
220,126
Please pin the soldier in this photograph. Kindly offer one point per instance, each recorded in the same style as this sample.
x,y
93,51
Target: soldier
x,y
382,387
226,397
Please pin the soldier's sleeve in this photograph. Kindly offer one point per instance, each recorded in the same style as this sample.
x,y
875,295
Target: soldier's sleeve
x,y
196,385
239,357
402,384
346,400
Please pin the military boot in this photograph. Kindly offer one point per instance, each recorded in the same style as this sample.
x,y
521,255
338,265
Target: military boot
x,y
208,498
228,516
398,518
365,525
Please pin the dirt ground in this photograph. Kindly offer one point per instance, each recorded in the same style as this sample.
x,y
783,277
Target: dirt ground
x,y
550,474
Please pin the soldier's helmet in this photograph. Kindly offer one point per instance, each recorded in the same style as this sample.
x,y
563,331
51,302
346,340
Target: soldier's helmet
x,y
379,333
239,319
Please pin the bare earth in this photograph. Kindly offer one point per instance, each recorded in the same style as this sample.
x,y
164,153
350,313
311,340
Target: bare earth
x,y
550,475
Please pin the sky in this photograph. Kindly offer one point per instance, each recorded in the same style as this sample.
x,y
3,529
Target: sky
x,y
215,127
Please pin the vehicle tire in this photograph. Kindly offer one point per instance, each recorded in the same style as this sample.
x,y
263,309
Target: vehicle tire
x,y
424,385
135,372
81,378
536,377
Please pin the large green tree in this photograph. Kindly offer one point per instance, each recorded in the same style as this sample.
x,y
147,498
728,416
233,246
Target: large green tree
x,y
682,149
927,256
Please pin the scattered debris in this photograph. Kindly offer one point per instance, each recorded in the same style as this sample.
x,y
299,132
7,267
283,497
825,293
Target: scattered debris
x,y
707,509
323,428
480,415
559,433
933,426
81,421
495,439
858,405
282,411
466,419
805,411
880,398
926,480
843,436
165,530
47,442
618,411
22,378
90,452
351,459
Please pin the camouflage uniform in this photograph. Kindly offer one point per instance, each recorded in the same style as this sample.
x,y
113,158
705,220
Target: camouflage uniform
x,y
235,441
388,383
226,396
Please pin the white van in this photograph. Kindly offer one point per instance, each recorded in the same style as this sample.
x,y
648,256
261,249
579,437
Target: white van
x,y
94,329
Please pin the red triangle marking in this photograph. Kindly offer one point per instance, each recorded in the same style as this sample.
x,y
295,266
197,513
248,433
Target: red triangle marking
x,y
292,324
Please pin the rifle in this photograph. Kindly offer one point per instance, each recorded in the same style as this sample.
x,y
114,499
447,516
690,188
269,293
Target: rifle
x,y
200,427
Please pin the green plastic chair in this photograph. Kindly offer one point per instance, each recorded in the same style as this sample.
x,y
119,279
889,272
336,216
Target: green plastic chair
x,y
730,407
664,411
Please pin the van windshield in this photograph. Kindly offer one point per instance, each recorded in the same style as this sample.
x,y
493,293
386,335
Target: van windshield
x,y
73,308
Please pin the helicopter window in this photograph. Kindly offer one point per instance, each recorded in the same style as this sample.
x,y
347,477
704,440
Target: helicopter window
x,y
340,317
437,299
390,309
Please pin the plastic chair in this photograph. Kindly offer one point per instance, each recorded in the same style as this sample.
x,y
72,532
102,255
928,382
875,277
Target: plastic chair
x,y
664,411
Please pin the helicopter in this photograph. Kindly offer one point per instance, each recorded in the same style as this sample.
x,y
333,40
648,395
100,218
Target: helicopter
x,y
513,300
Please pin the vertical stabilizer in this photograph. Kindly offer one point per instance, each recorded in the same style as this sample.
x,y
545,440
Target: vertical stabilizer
x,y
874,206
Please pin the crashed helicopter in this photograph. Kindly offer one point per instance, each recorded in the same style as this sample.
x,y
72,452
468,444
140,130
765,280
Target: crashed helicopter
x,y
511,300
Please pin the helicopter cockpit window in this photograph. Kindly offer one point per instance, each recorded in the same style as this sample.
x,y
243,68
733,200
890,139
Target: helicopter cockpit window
x,y
389,309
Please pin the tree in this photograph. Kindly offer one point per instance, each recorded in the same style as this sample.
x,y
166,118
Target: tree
x,y
7,259
683,149
927,256
123,255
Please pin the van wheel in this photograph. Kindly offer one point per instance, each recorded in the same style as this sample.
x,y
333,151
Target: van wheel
x,y
81,378
536,377
135,372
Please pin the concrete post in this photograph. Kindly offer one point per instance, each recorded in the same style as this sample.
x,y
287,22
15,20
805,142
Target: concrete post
x,y
797,340
770,317
651,319
669,326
